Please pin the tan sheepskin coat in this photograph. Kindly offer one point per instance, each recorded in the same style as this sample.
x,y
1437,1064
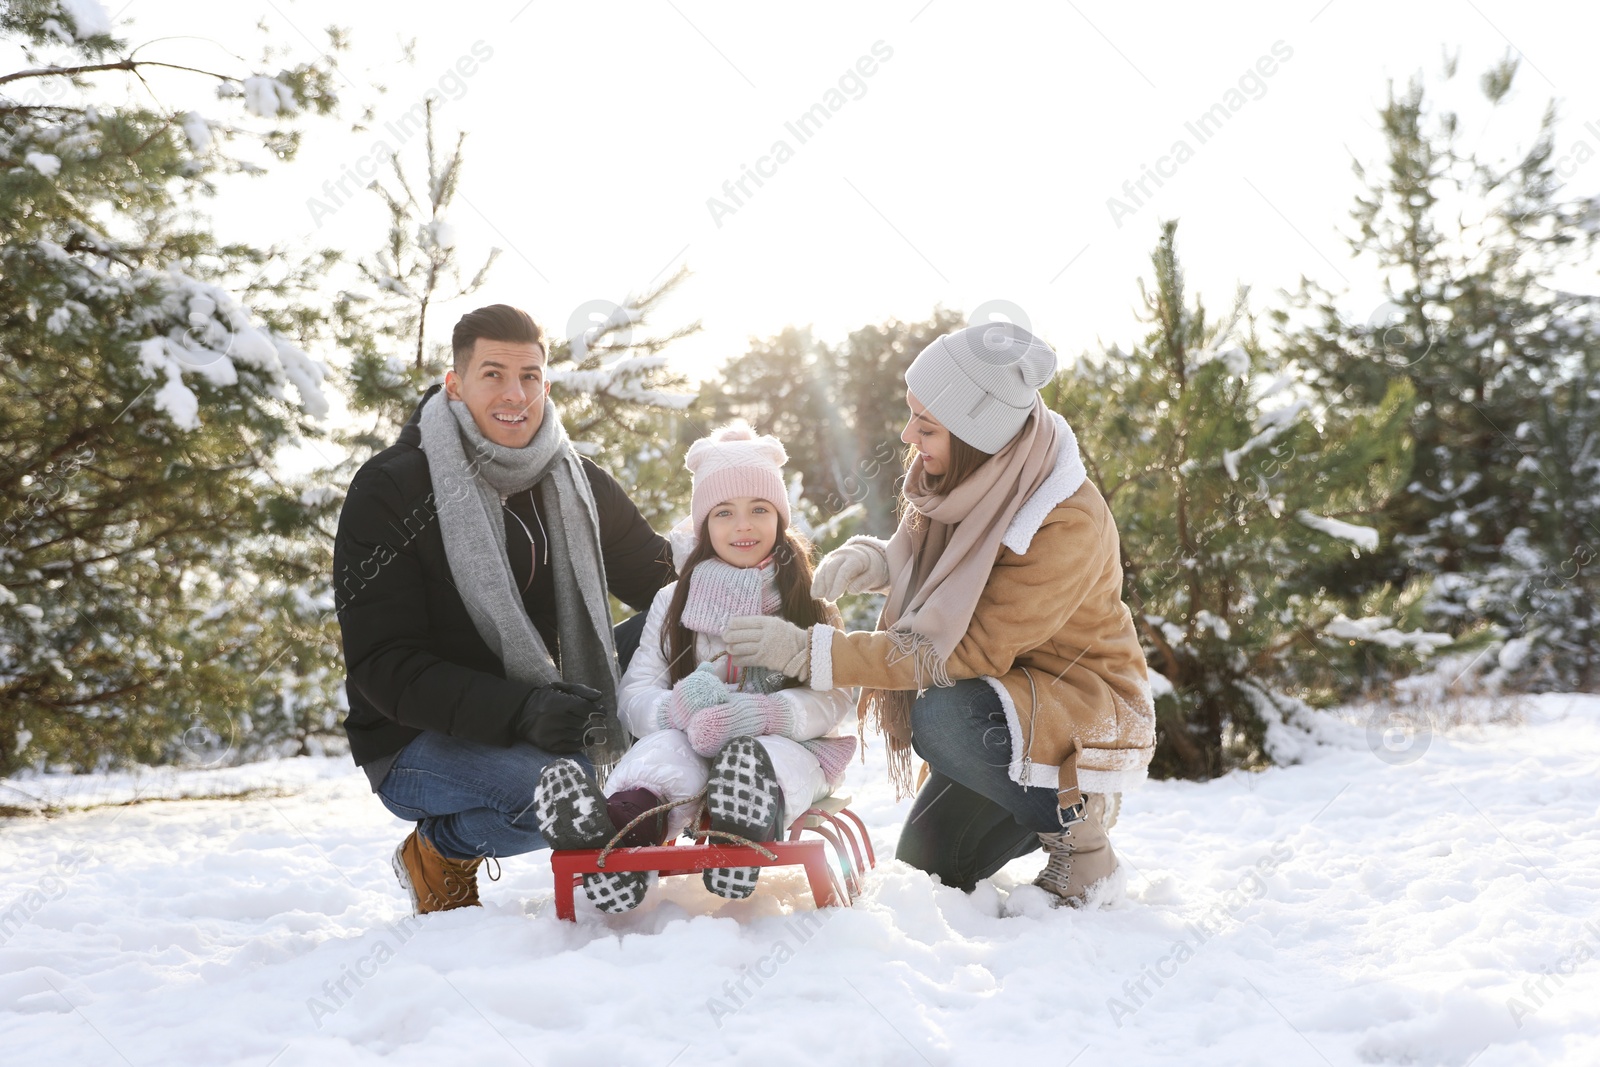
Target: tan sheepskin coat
x,y
1051,635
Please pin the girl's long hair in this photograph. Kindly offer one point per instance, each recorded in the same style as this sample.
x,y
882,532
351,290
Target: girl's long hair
x,y
793,556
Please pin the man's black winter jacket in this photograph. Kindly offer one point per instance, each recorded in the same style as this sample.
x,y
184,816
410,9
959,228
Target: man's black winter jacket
x,y
413,659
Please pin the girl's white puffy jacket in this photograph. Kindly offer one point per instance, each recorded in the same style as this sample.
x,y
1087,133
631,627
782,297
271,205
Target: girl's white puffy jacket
x,y
662,760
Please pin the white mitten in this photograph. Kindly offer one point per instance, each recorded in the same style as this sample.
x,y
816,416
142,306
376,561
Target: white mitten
x,y
860,565
762,641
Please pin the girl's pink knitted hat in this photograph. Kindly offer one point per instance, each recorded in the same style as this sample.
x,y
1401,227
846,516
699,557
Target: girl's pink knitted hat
x,y
732,462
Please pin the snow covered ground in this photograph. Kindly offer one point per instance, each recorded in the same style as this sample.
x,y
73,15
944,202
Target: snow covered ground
x,y
1437,904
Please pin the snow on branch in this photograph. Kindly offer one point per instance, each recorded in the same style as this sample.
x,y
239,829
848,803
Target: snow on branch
x,y
1362,537
1378,630
622,316
198,130
89,18
206,333
619,381
657,398
266,96
43,162
1270,426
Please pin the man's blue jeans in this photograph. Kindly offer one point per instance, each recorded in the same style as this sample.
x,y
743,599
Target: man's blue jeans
x,y
969,819
470,799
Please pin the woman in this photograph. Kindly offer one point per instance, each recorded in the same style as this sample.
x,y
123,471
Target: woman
x,y
1004,656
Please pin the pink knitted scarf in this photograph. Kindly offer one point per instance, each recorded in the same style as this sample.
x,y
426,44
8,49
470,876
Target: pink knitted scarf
x,y
719,591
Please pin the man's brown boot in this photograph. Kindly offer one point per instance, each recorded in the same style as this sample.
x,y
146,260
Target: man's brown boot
x,y
1080,856
434,882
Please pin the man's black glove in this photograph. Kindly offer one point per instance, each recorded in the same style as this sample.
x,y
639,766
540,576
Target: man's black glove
x,y
561,717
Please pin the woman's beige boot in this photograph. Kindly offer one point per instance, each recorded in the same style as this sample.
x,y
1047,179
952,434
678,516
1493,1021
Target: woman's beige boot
x,y
1080,856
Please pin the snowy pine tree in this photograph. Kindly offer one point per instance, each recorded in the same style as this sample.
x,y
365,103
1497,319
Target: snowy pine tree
x,y
382,320
144,401
610,380
1501,504
1239,499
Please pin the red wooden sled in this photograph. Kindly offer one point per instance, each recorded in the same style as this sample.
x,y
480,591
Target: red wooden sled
x,y
830,819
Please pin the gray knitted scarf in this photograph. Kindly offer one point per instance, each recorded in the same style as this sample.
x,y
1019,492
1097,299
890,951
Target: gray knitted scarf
x,y
469,493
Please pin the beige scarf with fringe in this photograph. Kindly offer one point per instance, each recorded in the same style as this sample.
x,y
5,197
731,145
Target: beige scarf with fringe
x,y
939,562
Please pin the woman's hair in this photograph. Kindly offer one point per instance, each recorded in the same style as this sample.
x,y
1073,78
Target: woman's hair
x,y
792,554
964,459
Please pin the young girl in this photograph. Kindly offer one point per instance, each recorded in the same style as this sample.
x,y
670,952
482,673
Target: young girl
x,y
757,743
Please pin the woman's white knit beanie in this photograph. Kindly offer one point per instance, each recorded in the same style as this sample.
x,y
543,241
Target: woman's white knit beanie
x,y
732,462
981,381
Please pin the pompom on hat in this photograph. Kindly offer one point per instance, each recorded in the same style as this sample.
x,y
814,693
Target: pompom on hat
x,y
981,382
733,461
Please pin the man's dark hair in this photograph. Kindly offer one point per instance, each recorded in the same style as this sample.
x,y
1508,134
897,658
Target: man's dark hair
x,y
497,322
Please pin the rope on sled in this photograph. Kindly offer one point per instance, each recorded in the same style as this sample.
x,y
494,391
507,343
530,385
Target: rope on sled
x,y
641,817
736,839
658,809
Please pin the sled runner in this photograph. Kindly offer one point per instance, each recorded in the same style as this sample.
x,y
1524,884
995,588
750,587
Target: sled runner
x,y
830,819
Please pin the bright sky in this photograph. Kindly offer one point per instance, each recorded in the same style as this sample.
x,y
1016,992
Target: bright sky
x,y
974,162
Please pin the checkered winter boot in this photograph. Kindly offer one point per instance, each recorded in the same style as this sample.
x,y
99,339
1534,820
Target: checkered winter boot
x,y
742,798
571,812
1080,856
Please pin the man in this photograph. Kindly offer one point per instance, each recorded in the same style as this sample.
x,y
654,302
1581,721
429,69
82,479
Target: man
x,y
470,569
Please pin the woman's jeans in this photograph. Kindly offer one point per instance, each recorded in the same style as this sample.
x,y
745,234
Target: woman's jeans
x,y
470,799
970,819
